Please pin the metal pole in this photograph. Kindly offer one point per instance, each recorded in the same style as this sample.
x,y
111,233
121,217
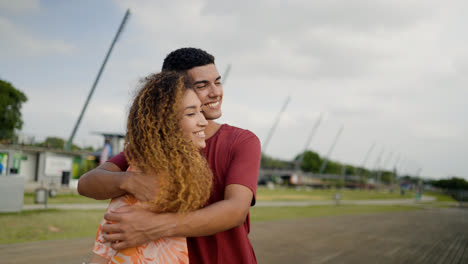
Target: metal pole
x,y
275,124
395,172
226,74
418,172
383,167
397,160
364,161
377,165
70,140
307,145
402,166
366,157
387,161
324,164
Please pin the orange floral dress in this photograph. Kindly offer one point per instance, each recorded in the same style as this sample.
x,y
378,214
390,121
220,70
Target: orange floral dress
x,y
163,250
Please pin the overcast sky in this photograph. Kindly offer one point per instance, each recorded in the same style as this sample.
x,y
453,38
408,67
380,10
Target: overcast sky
x,y
393,73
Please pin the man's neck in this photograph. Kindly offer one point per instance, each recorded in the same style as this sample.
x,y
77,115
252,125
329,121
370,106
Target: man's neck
x,y
211,129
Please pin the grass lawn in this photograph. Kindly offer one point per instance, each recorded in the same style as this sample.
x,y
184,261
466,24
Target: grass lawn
x,y
441,197
277,213
49,224
65,224
278,194
63,199
36,225
290,194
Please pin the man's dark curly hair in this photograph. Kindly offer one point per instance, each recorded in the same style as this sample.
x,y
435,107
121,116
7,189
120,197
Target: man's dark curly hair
x,y
184,59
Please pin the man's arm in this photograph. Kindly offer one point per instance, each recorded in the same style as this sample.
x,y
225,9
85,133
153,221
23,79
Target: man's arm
x,y
109,181
135,226
103,182
223,215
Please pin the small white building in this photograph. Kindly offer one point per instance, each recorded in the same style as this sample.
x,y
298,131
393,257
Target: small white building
x,y
41,165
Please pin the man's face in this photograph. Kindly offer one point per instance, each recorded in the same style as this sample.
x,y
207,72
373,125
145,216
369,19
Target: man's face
x,y
207,85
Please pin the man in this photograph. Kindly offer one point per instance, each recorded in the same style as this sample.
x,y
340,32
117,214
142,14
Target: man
x,y
217,233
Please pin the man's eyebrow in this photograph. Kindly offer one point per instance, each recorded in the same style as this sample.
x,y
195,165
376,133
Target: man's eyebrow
x,y
205,81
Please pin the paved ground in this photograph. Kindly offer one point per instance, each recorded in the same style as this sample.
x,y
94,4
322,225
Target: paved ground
x,y
425,236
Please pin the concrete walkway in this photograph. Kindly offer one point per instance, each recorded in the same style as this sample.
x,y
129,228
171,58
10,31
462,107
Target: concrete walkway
x,y
258,204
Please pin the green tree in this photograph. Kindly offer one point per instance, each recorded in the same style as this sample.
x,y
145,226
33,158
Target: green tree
x,y
59,143
453,183
350,170
53,142
333,168
387,177
11,100
311,161
456,187
272,163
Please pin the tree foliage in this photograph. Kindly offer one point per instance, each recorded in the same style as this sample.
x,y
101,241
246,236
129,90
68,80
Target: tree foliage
x,y
333,167
11,101
456,187
453,183
59,143
387,177
53,142
272,163
311,161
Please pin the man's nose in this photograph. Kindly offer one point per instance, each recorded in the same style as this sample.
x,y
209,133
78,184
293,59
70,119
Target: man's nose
x,y
216,90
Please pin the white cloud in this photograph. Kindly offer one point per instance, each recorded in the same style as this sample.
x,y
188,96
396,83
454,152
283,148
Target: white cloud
x,y
391,72
20,6
19,42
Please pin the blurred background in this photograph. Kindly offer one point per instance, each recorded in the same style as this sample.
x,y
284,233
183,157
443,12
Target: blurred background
x,y
344,95
393,73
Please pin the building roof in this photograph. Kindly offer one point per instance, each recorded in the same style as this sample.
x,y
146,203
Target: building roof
x,y
110,134
42,149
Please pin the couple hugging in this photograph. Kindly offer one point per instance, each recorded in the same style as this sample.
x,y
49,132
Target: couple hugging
x,y
183,186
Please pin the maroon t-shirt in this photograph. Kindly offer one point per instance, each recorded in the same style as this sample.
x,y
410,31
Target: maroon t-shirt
x,y
234,157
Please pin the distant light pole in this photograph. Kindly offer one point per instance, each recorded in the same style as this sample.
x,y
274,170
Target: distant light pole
x,y
307,144
366,157
275,124
324,164
72,136
226,74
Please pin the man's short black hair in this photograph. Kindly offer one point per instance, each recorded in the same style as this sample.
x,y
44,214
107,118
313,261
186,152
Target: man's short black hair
x,y
184,59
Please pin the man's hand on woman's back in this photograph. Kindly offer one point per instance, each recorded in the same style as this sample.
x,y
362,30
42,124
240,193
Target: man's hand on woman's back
x,y
109,181
144,186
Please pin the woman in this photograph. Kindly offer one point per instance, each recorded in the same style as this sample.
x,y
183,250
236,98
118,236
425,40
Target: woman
x,y
165,131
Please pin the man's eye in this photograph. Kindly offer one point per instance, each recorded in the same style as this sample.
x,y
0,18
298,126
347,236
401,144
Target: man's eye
x,y
201,86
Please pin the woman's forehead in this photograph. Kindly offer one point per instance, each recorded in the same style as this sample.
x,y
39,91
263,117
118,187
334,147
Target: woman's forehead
x,y
190,98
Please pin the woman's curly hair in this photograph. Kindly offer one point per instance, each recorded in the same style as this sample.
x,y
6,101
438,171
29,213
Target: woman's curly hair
x,y
155,144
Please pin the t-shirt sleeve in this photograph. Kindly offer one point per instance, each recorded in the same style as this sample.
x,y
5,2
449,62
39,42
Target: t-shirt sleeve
x,y
245,162
120,161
